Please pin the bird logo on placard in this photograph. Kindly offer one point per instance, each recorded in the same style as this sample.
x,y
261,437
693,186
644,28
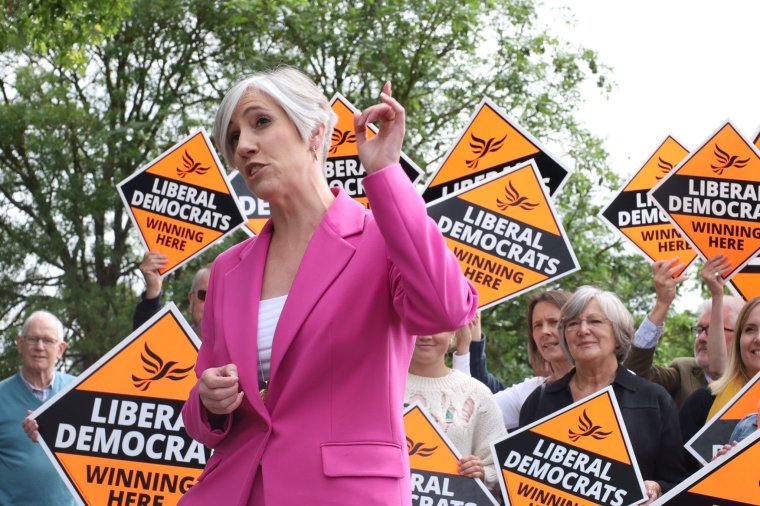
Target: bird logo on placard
x,y
338,137
726,161
586,428
191,166
157,370
418,448
482,147
512,198
665,168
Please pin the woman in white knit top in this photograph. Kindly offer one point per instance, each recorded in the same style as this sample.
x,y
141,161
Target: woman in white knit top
x,y
463,407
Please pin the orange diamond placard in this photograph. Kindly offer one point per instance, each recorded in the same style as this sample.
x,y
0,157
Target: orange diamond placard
x,y
746,282
639,220
733,480
717,431
342,167
532,460
115,434
713,198
434,463
505,233
181,202
490,144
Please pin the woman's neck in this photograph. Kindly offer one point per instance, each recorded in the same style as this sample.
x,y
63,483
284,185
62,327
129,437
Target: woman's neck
x,y
430,370
590,379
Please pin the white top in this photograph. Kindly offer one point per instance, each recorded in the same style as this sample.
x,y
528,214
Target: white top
x,y
269,315
511,399
465,411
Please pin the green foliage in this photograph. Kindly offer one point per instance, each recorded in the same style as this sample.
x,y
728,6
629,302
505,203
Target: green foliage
x,y
90,90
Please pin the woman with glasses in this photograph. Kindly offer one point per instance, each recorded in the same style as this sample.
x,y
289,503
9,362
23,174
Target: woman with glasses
x,y
595,332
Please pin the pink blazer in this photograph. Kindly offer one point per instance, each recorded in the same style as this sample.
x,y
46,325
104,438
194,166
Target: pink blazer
x,y
331,431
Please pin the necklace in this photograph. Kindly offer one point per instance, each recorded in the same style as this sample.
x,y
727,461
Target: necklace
x,y
265,382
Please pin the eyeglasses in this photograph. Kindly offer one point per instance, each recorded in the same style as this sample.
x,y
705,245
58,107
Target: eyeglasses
x,y
593,322
46,341
201,294
698,329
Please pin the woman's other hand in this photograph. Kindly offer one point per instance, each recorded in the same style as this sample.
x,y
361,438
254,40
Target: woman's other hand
x,y
472,467
383,149
653,490
218,388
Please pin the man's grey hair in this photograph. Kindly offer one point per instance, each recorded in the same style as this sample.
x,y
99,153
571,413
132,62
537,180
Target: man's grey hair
x,y
43,314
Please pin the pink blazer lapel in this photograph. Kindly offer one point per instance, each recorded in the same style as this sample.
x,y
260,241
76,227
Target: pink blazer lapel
x,y
241,313
326,256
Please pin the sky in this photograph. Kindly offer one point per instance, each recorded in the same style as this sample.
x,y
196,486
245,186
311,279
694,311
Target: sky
x,y
680,68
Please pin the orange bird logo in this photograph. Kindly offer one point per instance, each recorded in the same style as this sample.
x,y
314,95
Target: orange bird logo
x,y
726,161
512,198
586,428
418,448
157,370
191,166
339,138
665,168
482,147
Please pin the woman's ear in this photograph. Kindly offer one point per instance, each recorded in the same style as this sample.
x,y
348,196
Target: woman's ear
x,y
317,138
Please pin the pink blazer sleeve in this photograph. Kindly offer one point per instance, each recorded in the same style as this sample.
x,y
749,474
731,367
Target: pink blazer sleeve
x,y
430,292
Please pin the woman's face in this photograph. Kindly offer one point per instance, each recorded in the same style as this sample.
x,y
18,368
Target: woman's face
x,y
589,336
749,344
545,332
268,150
431,349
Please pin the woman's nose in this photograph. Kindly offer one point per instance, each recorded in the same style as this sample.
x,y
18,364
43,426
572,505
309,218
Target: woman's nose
x,y
246,145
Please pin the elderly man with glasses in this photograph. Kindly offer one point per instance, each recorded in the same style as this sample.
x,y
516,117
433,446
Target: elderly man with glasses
x,y
26,475
684,375
150,301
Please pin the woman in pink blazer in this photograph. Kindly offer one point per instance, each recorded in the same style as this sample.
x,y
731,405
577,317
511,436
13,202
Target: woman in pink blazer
x,y
308,327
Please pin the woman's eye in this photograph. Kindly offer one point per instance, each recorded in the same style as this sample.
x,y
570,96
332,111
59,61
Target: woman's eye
x,y
234,139
262,121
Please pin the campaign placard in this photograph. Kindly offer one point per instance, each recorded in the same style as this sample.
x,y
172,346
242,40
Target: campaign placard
x,y
434,463
256,210
490,144
731,480
713,198
580,455
705,444
505,234
746,282
115,434
342,167
181,202
645,226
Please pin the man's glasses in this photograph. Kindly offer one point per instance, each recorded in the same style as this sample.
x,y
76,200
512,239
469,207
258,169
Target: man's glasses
x,y
698,329
201,294
47,342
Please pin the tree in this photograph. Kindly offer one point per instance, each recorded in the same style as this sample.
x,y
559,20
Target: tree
x,y
103,87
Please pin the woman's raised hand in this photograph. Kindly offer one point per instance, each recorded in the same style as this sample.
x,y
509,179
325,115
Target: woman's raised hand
x,y
384,149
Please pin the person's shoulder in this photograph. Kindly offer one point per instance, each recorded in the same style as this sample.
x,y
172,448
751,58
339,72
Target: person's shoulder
x,y
8,382
471,384
701,396
684,363
234,252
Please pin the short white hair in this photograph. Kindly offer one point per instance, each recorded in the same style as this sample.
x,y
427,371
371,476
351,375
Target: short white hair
x,y
42,314
612,308
301,99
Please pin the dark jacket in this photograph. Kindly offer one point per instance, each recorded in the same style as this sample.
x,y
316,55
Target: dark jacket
x,y
650,416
